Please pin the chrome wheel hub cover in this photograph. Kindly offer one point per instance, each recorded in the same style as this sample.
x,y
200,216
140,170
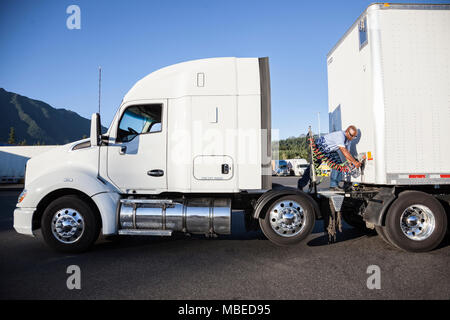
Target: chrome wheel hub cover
x,y
417,222
287,218
67,225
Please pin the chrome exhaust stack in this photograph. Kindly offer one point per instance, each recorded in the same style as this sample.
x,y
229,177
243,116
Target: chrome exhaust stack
x,y
197,216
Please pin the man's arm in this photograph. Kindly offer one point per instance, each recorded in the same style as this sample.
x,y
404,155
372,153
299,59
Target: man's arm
x,y
349,157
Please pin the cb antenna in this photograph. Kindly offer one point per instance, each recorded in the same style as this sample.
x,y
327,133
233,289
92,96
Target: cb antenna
x,y
99,86
99,97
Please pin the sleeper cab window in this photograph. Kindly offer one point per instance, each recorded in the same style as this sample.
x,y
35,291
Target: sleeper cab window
x,y
362,33
139,119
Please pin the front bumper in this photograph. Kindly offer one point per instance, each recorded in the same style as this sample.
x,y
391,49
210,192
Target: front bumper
x,y
23,220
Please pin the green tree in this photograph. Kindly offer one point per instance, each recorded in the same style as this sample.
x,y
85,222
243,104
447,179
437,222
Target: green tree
x,y
12,136
293,147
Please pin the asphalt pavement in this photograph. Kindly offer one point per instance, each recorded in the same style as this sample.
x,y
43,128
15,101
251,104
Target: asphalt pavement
x,y
243,265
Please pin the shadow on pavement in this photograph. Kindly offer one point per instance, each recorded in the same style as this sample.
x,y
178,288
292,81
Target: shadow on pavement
x,y
238,233
348,233
345,235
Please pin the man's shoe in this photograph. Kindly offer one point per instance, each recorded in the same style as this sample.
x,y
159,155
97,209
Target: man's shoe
x,y
336,189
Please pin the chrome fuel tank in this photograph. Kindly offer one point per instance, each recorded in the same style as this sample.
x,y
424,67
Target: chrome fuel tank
x,y
197,216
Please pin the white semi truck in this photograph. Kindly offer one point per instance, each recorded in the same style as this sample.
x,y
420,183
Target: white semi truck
x,y
191,142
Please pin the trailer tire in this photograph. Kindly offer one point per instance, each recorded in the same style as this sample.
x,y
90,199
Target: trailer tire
x,y
415,222
288,220
69,224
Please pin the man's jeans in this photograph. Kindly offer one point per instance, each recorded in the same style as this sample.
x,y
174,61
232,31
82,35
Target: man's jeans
x,y
335,178
336,175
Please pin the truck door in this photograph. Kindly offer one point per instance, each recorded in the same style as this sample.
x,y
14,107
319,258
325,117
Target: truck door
x,y
137,158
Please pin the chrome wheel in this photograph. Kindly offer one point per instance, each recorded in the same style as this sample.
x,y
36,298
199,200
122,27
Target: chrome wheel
x,y
417,222
67,225
287,218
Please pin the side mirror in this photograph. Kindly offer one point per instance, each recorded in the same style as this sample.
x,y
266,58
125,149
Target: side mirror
x,y
95,129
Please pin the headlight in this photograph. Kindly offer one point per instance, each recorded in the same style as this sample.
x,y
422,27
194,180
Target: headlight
x,y
22,195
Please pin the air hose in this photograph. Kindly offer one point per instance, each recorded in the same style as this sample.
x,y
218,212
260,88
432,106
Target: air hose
x,y
317,154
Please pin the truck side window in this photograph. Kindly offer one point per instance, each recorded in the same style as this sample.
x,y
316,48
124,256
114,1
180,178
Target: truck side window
x,y
362,33
139,119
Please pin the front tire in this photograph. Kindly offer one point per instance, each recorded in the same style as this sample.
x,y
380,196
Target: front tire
x,y
69,224
415,222
288,220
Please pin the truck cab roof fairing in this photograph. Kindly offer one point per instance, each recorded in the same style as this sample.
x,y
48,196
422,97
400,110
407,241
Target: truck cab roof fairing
x,y
213,76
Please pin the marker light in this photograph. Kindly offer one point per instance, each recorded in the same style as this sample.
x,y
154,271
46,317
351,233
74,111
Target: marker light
x,y
22,195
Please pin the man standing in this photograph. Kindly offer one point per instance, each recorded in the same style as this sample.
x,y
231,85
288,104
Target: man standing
x,y
329,145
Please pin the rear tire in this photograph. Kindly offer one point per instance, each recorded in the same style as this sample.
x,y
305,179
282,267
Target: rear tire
x,y
69,224
288,220
416,222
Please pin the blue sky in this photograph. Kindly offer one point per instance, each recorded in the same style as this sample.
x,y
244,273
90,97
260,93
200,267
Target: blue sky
x,y
42,59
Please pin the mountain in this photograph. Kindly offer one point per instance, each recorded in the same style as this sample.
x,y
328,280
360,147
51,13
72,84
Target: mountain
x,y
37,122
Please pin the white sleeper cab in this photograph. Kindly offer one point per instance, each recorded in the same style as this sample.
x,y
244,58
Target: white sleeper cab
x,y
189,143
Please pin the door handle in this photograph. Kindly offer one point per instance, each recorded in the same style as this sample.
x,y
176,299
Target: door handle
x,y
225,168
123,149
156,173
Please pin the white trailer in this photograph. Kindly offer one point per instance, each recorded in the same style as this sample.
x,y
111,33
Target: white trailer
x,y
189,143
13,160
389,75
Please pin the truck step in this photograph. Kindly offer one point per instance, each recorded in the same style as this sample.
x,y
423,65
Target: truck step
x,y
144,232
146,201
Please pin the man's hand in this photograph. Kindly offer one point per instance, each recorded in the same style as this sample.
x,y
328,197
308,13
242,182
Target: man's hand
x,y
358,164
349,157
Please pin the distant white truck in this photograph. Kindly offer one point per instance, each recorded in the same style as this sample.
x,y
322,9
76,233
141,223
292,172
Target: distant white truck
x,y
298,166
389,75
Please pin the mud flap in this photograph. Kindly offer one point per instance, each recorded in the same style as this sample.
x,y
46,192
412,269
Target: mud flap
x,y
378,205
331,212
